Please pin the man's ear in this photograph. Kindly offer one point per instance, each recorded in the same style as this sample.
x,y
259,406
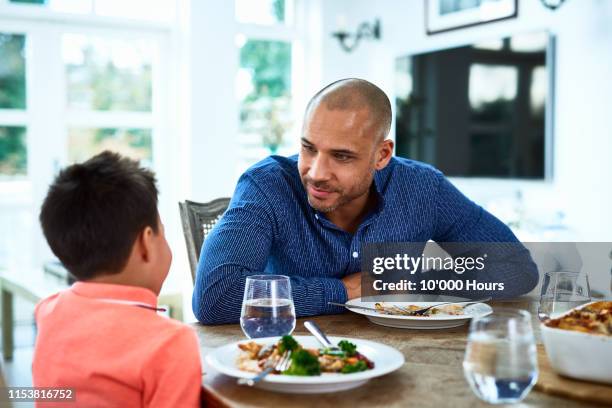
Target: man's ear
x,y
385,151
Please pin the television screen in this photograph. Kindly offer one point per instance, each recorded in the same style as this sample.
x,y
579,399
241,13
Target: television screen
x,y
481,110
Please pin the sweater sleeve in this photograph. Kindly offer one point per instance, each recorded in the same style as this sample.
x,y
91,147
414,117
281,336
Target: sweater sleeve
x,y
463,228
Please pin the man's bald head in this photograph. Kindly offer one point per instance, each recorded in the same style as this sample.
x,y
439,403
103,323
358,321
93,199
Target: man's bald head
x,y
355,94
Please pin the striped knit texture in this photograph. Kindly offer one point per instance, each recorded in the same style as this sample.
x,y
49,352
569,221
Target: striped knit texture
x,y
269,227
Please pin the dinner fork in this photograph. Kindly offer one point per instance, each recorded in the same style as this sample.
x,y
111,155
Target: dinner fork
x,y
320,335
281,365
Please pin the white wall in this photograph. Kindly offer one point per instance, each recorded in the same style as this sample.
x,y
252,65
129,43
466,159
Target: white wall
x,y
214,114
582,181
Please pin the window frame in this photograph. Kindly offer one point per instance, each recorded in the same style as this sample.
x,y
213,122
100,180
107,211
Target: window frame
x,y
42,13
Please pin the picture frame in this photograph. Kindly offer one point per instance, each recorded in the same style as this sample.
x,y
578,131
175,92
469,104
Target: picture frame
x,y
446,15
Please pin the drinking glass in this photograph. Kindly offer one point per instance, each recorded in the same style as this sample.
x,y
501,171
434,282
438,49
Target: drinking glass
x,y
500,362
562,291
267,306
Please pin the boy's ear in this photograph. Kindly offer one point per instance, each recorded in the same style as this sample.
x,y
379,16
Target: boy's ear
x,y
145,240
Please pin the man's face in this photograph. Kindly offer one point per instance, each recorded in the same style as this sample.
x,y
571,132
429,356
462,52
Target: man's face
x,y
338,157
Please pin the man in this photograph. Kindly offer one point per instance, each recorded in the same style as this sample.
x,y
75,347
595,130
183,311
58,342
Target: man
x,y
308,216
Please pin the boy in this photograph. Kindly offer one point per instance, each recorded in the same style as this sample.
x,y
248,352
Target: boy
x,y
102,336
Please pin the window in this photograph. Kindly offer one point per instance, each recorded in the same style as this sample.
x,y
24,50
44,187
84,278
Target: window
x,y
107,75
266,12
13,152
70,88
266,94
13,129
29,1
151,10
147,10
265,108
109,84
84,143
12,75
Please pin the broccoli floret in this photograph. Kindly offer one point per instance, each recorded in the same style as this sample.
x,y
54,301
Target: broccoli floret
x,y
287,343
349,348
303,363
354,368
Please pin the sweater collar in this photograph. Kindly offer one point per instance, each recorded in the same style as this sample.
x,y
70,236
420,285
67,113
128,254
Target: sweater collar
x,y
110,291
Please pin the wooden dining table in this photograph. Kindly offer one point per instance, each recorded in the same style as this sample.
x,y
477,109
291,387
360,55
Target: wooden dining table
x,y
432,375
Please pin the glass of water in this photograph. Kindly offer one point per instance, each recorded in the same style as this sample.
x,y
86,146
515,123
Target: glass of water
x,y
267,306
562,291
500,362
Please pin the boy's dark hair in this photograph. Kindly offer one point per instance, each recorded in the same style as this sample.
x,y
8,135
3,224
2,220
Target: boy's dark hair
x,y
94,212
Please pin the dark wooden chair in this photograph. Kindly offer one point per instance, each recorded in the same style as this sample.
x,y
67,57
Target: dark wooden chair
x,y
198,220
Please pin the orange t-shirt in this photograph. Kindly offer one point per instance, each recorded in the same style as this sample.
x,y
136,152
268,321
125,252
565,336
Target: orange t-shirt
x,y
99,339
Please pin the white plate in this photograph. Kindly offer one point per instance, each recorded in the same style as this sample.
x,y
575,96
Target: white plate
x,y
440,321
386,359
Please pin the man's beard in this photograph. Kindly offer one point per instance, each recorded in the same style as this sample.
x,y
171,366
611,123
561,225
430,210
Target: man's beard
x,y
329,209
343,197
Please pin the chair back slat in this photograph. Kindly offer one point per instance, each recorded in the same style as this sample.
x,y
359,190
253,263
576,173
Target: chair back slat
x,y
198,219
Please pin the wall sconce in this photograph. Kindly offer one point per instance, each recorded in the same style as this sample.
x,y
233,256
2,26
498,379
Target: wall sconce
x,y
552,4
349,41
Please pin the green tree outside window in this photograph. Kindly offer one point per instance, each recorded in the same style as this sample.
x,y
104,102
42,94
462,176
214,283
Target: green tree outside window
x,y
266,110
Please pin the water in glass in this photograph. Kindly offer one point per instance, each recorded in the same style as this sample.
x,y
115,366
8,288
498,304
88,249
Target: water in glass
x,y
267,308
500,362
562,291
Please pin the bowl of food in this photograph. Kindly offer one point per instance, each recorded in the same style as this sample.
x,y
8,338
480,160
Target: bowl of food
x,y
579,343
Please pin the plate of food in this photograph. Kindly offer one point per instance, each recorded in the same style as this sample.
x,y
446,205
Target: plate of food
x,y
312,369
398,314
579,343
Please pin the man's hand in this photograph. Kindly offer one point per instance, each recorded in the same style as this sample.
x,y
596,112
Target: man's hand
x,y
352,283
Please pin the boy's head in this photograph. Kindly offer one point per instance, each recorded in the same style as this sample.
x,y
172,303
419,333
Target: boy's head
x,y
100,219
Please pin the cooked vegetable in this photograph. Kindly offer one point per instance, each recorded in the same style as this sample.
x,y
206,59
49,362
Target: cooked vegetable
x,y
303,363
287,343
366,360
343,359
349,348
353,368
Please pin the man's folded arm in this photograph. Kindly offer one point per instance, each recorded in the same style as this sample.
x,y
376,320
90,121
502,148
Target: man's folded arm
x,y
459,220
239,246
221,299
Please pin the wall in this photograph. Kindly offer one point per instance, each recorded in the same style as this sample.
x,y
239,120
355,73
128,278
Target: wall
x,y
581,187
214,112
